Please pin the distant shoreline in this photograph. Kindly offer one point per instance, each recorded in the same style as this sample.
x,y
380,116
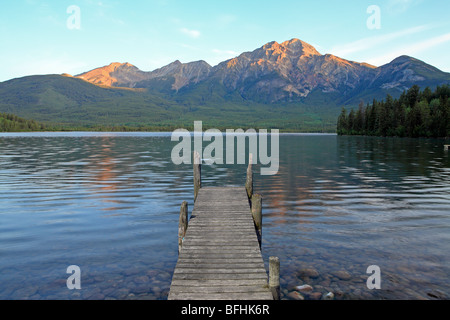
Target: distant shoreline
x,y
284,133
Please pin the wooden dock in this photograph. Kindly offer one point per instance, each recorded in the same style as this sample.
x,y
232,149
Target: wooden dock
x,y
219,248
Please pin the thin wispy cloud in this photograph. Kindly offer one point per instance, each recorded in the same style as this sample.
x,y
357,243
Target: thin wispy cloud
x,y
190,33
225,52
371,42
411,49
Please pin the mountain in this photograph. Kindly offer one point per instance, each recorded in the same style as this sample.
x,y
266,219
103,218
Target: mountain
x,y
404,71
277,72
115,74
290,84
126,75
289,71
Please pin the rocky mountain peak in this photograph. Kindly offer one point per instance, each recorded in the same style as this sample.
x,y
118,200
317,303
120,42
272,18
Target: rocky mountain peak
x,y
300,47
293,47
114,74
403,59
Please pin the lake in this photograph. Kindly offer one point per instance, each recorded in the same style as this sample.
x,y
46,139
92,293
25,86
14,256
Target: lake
x,y
109,203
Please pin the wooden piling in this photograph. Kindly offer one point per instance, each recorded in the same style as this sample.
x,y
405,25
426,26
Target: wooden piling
x,y
446,147
249,181
274,277
197,174
182,224
256,202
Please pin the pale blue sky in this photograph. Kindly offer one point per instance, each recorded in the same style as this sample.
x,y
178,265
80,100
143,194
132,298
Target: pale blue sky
x,y
35,39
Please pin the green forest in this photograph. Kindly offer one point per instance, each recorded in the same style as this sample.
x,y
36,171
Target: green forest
x,y
414,114
12,123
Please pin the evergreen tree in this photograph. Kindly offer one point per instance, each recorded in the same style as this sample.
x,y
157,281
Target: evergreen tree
x,y
351,122
427,94
359,120
342,123
412,95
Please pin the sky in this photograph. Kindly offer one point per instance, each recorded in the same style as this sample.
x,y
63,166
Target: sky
x,y
59,36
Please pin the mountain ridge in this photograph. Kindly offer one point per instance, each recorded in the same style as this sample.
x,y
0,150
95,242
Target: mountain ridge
x,y
295,67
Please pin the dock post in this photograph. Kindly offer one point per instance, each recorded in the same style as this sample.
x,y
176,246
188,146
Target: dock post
x,y
256,202
197,174
249,181
274,277
182,224
446,147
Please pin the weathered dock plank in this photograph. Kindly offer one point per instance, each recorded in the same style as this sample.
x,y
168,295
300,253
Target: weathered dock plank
x,y
220,258
257,295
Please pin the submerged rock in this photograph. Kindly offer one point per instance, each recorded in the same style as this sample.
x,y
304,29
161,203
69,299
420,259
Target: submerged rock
x,y
343,275
141,279
328,296
315,296
295,295
308,273
304,288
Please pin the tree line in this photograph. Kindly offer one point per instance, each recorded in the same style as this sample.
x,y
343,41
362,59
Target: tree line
x,y
414,114
12,123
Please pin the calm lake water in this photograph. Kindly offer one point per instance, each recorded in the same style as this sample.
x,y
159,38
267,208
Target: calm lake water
x,y
109,203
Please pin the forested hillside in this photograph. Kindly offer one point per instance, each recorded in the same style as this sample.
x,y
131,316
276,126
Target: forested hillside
x,y
415,114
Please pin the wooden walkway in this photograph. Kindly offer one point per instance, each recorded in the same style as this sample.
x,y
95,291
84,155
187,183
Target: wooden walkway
x,y
220,257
